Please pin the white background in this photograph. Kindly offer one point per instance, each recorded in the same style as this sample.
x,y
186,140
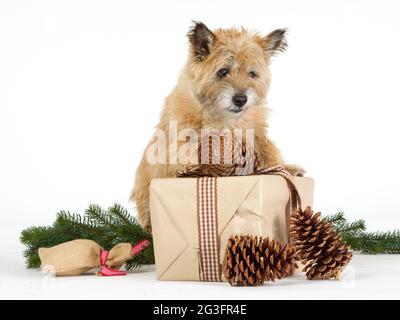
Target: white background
x,y
82,84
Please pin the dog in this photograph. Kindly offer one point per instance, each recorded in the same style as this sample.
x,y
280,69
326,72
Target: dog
x,y
224,84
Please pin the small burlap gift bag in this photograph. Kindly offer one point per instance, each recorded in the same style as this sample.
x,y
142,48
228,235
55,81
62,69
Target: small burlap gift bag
x,y
79,256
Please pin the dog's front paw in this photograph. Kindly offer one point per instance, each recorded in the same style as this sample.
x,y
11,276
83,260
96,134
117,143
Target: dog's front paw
x,y
295,170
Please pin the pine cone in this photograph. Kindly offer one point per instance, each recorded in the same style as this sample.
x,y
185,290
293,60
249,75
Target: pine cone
x,y
249,261
225,167
319,246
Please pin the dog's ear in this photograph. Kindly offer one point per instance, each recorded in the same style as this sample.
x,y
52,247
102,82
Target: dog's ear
x,y
201,40
275,42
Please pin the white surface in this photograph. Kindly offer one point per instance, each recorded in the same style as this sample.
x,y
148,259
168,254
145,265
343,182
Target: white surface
x,y
367,277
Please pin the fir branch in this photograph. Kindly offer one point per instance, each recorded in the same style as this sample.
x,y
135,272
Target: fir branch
x,y
336,219
121,214
75,219
116,225
360,240
356,226
99,217
32,259
378,242
35,235
107,228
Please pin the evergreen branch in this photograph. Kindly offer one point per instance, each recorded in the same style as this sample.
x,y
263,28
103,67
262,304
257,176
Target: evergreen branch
x,y
354,227
336,219
121,214
75,219
32,259
374,242
105,228
116,225
99,217
362,241
34,235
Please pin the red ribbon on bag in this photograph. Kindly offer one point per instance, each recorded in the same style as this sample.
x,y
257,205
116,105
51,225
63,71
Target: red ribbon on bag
x,y
108,272
140,246
105,270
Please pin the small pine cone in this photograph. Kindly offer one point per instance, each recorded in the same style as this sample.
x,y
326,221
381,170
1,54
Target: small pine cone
x,y
249,260
320,247
225,167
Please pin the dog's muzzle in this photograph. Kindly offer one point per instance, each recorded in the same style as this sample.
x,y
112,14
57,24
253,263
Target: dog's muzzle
x,y
239,102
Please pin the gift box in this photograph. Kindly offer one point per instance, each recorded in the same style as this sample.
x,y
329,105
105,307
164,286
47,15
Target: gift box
x,y
193,218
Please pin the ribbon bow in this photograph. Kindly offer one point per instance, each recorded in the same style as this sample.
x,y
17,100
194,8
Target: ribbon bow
x,y
107,271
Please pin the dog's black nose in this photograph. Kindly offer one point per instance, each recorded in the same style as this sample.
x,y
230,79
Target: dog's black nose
x,y
239,100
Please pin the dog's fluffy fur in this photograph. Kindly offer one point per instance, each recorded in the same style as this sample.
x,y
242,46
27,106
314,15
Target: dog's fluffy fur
x,y
203,98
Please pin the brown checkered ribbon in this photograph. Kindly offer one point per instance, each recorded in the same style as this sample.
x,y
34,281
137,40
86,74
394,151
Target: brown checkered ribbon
x,y
208,223
208,228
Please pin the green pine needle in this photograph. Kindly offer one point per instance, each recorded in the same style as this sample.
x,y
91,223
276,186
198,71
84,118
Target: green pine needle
x,y
362,241
99,217
107,228
121,214
115,225
337,218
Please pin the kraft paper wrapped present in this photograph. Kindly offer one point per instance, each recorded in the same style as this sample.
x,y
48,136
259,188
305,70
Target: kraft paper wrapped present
x,y
256,204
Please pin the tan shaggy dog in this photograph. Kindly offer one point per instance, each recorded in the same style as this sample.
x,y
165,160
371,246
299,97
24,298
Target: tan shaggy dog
x,y
224,84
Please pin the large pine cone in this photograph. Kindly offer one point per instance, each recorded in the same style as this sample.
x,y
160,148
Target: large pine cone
x,y
249,260
227,155
319,246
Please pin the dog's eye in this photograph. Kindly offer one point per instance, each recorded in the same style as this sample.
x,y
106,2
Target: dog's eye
x,y
252,74
222,72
